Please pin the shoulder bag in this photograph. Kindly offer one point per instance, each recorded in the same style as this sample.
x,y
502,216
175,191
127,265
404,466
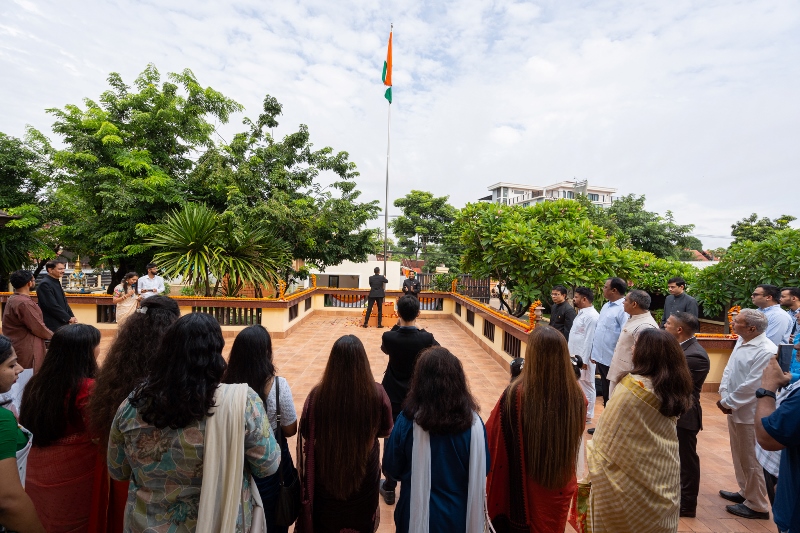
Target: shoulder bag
x,y
287,508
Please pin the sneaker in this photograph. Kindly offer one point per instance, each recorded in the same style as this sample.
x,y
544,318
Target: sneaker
x,y
388,495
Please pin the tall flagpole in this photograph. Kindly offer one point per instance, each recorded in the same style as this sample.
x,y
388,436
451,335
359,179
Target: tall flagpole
x,y
386,202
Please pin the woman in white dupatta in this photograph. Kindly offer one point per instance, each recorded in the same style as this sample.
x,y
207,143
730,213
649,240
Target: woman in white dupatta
x,y
186,443
438,450
18,512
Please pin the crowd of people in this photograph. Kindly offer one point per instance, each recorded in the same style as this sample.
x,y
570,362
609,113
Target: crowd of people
x,y
167,435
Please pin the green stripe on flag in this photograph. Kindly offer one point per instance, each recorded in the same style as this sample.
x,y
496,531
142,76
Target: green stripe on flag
x,y
385,68
388,94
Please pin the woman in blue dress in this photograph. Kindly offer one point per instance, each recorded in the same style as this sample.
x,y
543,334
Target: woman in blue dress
x,y
438,450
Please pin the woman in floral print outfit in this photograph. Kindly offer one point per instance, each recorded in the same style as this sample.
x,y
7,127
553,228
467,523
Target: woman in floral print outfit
x,y
157,435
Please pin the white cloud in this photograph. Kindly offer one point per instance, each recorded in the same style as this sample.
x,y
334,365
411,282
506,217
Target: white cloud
x,y
692,104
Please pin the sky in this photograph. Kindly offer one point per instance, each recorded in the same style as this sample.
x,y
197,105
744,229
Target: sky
x,y
693,104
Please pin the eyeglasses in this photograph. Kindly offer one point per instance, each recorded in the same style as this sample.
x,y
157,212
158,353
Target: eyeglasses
x,y
757,294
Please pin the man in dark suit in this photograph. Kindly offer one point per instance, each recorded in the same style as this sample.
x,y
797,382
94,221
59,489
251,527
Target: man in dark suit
x,y
411,285
50,297
402,344
683,325
376,295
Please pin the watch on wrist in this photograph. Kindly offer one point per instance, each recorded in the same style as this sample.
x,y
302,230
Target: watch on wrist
x,y
760,393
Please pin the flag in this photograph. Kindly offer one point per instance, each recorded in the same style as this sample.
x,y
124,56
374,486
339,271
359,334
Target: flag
x,y
387,71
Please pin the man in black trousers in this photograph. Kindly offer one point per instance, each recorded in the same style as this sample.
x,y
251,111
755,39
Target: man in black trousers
x,y
376,295
50,297
402,344
683,325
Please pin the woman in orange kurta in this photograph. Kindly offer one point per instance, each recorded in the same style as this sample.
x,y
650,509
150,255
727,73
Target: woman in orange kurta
x,y
125,365
534,433
61,462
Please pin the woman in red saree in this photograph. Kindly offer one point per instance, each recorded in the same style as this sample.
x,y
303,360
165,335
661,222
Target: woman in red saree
x,y
124,367
534,433
61,463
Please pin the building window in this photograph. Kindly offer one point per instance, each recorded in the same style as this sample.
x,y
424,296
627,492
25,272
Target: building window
x,y
594,197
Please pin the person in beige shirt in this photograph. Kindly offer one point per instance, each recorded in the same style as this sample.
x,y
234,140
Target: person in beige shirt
x,y
23,322
637,305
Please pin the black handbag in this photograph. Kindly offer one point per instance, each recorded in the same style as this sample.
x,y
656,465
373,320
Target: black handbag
x,y
287,507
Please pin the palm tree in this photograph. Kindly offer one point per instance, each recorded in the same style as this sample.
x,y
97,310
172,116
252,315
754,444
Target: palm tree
x,y
248,254
197,243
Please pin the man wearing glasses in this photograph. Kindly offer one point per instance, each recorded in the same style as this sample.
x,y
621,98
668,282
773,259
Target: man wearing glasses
x,y
779,323
151,284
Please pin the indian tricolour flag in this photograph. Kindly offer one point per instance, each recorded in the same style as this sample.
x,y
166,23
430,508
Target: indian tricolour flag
x,y
387,71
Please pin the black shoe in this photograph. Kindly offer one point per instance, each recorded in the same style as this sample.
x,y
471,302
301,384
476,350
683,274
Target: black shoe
x,y
734,497
590,431
388,495
364,326
380,327
744,511
687,513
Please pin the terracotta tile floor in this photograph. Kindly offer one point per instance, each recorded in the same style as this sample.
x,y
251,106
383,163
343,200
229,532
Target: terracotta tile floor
x,y
302,357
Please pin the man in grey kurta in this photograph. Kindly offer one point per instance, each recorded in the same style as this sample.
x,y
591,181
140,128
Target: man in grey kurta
x,y
678,300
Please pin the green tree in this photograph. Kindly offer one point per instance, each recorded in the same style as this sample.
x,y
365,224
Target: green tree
x,y
278,183
25,174
530,249
426,220
774,260
125,160
197,244
754,229
648,231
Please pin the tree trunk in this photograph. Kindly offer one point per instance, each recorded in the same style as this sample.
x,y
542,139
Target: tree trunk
x,y
110,289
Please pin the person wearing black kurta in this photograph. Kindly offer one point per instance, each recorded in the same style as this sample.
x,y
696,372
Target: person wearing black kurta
x,y
51,299
683,326
402,344
376,295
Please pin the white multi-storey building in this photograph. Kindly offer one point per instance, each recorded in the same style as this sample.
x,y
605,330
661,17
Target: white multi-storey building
x,y
515,194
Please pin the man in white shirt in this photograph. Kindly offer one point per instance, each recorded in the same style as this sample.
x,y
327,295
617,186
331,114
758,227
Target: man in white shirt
x,y
637,305
609,325
580,343
151,284
766,298
740,380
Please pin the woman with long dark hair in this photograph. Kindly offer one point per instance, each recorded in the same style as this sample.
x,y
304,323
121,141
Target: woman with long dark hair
x,y
17,512
439,426
124,367
343,417
251,362
184,431
633,458
125,297
534,434
55,409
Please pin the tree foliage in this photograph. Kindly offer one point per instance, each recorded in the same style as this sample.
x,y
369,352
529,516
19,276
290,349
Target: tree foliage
x,y
196,244
25,174
278,183
125,159
649,231
530,249
754,229
774,260
426,220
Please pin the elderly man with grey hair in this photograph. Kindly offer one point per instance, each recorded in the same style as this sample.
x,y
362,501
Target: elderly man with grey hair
x,y
738,392
637,305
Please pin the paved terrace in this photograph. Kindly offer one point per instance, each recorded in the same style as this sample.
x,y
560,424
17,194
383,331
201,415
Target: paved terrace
x,y
301,359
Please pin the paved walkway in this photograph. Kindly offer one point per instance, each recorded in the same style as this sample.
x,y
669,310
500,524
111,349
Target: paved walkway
x,y
302,357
